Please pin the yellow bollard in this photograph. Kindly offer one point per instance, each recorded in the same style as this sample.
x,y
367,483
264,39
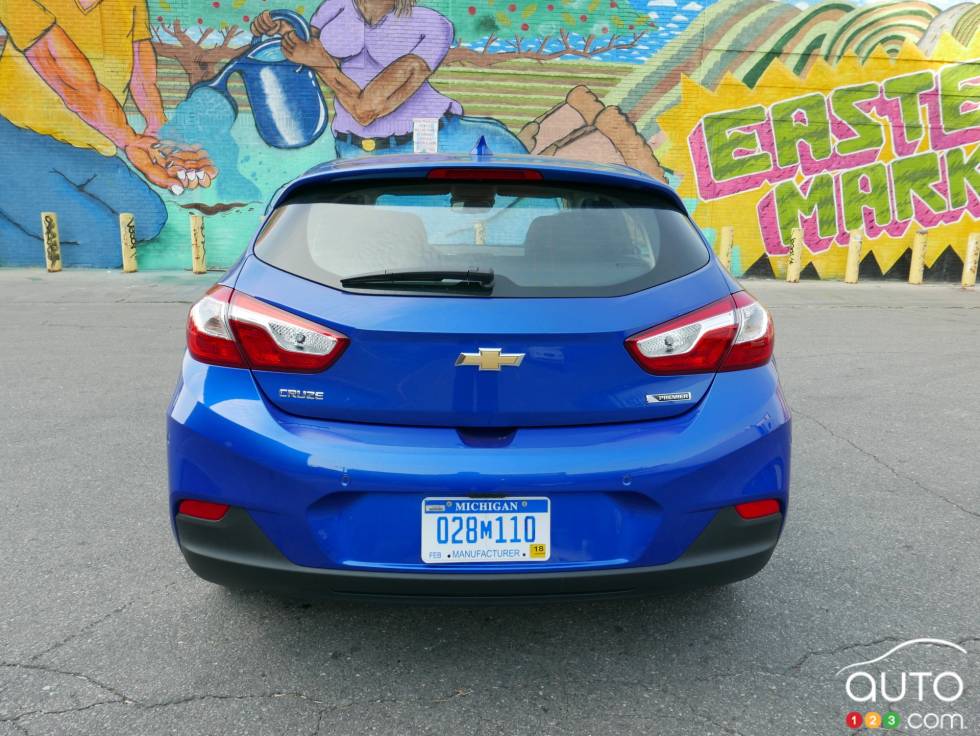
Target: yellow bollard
x,y
853,257
199,259
725,246
918,258
970,262
795,256
52,242
127,240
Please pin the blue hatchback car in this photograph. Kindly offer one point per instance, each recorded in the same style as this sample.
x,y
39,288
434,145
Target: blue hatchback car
x,y
477,378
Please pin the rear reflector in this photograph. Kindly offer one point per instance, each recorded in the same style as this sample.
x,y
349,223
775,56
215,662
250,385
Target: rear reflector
x,y
758,509
203,509
475,174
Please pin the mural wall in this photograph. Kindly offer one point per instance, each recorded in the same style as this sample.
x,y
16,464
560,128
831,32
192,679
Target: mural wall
x,y
767,115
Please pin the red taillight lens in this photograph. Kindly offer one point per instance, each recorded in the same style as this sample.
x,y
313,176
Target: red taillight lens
x,y
230,328
203,509
480,174
275,340
694,343
758,509
727,335
754,341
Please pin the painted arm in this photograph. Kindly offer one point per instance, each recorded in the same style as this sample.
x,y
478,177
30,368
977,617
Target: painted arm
x,y
62,65
143,88
382,95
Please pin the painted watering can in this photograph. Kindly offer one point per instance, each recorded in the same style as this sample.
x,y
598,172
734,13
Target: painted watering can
x,y
286,100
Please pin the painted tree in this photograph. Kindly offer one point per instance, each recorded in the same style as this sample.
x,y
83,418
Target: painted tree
x,y
203,35
491,31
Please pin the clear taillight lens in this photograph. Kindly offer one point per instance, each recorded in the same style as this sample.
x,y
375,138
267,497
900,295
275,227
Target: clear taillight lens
x,y
730,334
754,341
230,328
209,336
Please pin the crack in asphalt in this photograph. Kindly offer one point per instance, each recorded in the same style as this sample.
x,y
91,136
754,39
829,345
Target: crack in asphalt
x,y
86,628
319,722
278,694
901,476
60,711
89,627
123,699
798,665
37,666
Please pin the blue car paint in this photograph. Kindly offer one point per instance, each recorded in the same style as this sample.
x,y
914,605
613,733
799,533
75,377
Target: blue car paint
x,y
417,166
400,365
346,495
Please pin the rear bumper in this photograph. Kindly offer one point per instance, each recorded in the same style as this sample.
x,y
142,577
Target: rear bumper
x,y
341,502
234,552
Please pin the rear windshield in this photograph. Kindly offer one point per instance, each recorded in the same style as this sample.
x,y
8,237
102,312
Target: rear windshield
x,y
525,240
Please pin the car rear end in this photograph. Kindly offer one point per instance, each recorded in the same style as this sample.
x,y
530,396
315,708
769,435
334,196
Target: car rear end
x,y
478,380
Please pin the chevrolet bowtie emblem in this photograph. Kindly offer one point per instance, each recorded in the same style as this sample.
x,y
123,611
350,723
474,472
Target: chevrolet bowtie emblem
x,y
490,359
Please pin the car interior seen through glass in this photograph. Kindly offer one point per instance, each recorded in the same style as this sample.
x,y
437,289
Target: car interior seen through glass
x,y
482,239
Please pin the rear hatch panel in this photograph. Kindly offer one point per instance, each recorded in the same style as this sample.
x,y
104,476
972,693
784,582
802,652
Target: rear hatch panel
x,y
401,365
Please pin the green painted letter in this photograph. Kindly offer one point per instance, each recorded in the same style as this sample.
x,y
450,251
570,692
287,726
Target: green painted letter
x,y
843,101
855,199
791,203
906,89
724,141
788,132
954,92
916,175
963,172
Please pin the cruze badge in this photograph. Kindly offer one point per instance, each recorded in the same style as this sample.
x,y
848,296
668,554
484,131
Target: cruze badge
x,y
490,359
660,398
292,393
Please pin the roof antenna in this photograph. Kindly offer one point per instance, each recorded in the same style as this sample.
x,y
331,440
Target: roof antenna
x,y
481,148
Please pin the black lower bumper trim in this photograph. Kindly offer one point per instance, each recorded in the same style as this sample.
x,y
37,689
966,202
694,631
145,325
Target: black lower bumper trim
x,y
235,553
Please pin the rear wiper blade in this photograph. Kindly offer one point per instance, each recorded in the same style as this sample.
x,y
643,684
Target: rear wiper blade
x,y
476,277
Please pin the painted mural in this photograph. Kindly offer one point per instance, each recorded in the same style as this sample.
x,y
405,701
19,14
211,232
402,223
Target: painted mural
x,y
767,115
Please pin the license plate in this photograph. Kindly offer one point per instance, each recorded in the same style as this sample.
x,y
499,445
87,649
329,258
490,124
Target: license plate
x,y
486,530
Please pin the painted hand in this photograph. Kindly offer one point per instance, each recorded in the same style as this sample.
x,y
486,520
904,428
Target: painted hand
x,y
192,165
170,168
265,25
308,53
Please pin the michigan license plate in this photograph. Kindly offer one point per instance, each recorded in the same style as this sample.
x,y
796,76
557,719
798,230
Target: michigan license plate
x,y
486,530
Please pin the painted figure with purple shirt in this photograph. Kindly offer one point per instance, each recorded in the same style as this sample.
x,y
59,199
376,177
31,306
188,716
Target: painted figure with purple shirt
x,y
377,56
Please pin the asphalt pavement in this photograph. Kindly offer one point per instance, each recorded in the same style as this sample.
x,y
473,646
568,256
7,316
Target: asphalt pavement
x,y
104,630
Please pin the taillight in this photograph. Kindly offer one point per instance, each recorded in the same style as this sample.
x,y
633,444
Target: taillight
x,y
730,334
209,336
755,338
694,343
230,328
275,340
